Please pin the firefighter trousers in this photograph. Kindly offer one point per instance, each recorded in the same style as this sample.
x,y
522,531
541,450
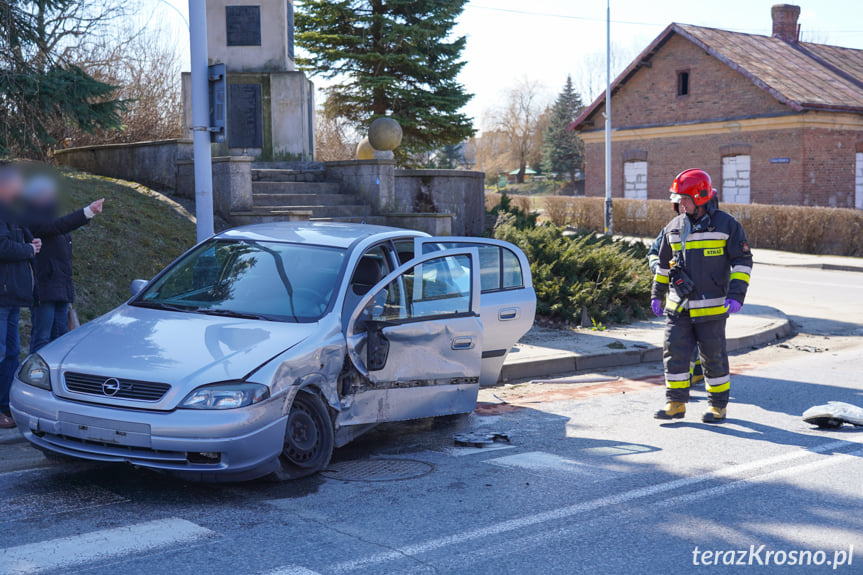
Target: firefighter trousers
x,y
681,338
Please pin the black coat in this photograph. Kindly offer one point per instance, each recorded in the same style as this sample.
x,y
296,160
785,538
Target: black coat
x,y
54,261
16,262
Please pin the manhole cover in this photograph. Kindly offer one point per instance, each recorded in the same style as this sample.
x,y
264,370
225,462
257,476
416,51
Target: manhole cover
x,y
377,469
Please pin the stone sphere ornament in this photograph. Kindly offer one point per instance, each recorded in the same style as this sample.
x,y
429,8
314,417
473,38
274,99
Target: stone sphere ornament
x,y
365,151
385,134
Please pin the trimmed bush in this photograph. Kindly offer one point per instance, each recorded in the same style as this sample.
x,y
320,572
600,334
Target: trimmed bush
x,y
800,229
608,277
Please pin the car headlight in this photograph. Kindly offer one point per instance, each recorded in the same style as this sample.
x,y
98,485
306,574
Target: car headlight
x,y
35,372
226,396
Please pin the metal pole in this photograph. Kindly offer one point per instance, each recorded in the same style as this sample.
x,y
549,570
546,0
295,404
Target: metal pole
x,y
608,205
201,118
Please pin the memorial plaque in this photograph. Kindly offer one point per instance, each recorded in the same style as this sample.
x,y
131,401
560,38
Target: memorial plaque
x,y
245,116
243,25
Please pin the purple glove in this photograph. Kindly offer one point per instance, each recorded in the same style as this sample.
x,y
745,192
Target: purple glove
x,y
656,306
733,306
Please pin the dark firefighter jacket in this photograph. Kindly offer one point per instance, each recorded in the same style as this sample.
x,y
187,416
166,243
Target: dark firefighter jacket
x,y
715,255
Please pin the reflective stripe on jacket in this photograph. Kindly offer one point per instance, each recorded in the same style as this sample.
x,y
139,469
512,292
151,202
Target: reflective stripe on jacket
x,y
717,258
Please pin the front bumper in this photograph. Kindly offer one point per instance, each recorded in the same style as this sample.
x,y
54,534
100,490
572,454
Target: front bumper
x,y
248,440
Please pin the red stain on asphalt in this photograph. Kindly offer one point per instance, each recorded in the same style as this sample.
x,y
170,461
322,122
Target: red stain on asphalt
x,y
495,408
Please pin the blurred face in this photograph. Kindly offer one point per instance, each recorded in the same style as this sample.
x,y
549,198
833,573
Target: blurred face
x,y
687,206
11,185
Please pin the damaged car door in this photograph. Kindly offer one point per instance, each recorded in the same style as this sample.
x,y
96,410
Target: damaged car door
x,y
415,341
508,301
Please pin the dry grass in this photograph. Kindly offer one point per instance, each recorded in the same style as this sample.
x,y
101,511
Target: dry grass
x,y
835,231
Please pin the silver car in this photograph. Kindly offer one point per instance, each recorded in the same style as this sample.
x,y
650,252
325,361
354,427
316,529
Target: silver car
x,y
261,349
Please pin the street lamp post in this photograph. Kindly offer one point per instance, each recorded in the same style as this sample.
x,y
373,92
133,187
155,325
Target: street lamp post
x,y
609,228
201,119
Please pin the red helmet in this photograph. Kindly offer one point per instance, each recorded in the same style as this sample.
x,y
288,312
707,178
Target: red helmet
x,y
694,183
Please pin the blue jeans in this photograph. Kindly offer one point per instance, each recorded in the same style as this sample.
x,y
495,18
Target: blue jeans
x,y
10,347
49,322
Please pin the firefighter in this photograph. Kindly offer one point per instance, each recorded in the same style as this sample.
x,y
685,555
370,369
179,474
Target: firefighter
x,y
703,274
696,374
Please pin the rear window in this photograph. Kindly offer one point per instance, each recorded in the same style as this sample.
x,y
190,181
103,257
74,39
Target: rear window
x,y
499,266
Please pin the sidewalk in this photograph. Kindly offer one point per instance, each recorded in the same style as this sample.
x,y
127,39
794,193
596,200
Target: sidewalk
x,y
792,260
544,351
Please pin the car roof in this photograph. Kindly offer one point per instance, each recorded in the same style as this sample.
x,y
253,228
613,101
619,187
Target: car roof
x,y
335,234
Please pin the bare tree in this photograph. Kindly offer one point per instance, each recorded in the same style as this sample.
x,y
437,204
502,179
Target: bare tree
x,y
519,120
590,73
146,66
335,140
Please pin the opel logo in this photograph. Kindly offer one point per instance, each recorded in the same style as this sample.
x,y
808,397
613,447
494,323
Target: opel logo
x,y
111,386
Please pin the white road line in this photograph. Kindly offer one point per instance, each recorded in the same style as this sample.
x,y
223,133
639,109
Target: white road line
x,y
293,570
464,450
588,506
544,462
66,552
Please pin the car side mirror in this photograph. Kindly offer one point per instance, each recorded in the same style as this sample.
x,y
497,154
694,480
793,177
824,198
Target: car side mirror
x,y
137,286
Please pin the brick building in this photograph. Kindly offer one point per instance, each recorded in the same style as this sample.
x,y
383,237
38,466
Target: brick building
x,y
772,119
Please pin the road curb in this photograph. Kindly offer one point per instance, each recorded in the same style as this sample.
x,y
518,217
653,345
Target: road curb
x,y
569,362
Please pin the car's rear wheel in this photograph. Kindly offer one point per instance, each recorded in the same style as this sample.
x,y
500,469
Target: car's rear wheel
x,y
309,438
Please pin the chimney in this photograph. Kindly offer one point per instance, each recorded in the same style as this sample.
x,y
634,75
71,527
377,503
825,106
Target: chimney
x,y
785,25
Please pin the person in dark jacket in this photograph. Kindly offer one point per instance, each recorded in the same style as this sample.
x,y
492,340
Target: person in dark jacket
x,y
18,249
54,287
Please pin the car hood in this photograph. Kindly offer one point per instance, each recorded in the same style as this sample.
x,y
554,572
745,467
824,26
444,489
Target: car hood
x,y
183,349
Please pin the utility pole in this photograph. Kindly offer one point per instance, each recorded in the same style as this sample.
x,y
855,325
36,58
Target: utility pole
x,y
609,228
201,118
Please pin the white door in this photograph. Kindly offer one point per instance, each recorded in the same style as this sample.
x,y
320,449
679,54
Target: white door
x,y
858,182
416,337
508,301
635,180
735,179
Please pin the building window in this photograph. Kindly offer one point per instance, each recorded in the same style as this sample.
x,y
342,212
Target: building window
x,y
635,180
735,179
683,83
858,182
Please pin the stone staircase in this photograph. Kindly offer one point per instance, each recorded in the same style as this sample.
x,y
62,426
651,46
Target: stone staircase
x,y
286,192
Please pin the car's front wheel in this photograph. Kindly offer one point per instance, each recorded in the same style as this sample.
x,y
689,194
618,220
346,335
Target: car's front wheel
x,y
309,438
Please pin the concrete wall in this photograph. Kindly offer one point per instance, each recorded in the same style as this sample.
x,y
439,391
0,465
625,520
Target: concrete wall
x,y
455,192
288,116
372,181
270,56
153,164
232,183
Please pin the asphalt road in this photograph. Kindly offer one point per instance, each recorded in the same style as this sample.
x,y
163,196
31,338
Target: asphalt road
x,y
590,483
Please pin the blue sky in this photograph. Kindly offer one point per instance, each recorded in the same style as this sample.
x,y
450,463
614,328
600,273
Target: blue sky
x,y
544,40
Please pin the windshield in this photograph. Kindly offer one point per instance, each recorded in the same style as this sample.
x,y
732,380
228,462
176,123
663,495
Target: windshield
x,y
243,278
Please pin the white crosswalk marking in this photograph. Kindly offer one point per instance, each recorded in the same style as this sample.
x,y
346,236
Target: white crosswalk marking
x,y
66,552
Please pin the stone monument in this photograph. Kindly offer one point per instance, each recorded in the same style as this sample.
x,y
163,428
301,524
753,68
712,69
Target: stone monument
x,y
270,106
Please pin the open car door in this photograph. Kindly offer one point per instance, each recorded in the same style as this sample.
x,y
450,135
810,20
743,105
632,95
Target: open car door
x,y
508,301
416,341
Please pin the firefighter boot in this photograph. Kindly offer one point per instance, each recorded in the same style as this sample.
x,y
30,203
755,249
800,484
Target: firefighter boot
x,y
714,415
672,410
696,374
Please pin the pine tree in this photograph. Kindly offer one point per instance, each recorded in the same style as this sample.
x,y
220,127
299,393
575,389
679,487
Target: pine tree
x,y
38,91
390,58
563,150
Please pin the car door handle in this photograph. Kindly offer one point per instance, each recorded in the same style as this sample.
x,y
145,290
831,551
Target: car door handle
x,y
463,342
508,313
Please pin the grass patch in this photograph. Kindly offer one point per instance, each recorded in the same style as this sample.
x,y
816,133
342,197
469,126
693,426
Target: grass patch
x,y
138,234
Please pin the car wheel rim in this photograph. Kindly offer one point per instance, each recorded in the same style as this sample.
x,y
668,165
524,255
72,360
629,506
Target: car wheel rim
x,y
302,438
